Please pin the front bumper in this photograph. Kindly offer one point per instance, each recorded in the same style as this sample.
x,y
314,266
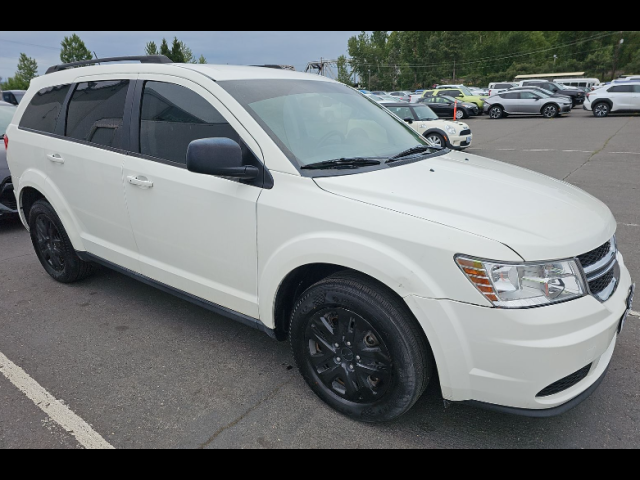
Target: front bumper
x,y
507,357
459,142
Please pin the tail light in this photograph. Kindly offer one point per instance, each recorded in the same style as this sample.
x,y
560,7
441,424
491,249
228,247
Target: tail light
x,y
6,142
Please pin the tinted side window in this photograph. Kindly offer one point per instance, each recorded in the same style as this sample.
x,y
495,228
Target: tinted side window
x,y
43,110
173,116
621,88
96,111
511,95
636,88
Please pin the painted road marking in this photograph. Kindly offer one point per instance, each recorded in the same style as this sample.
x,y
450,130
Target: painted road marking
x,y
635,314
59,413
629,224
625,153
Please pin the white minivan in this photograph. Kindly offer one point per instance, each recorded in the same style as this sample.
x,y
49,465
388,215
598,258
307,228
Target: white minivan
x,y
293,204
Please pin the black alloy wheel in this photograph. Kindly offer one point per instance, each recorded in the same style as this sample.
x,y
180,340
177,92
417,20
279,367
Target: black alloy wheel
x,y
53,247
601,109
359,348
550,110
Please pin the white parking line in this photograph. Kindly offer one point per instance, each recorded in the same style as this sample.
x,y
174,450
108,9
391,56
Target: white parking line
x,y
578,151
629,224
86,436
625,153
635,314
539,150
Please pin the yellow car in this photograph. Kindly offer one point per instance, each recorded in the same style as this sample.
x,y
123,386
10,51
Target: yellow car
x,y
461,93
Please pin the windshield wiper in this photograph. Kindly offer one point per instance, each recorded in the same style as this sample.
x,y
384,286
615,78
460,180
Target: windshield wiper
x,y
413,151
342,163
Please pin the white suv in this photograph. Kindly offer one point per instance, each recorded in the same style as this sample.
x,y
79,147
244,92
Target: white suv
x,y
292,203
617,98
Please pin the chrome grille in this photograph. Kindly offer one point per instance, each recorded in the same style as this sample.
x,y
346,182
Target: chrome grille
x,y
601,270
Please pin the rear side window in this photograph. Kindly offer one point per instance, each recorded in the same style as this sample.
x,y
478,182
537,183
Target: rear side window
x,y
636,88
511,95
96,111
621,89
173,116
42,112
503,85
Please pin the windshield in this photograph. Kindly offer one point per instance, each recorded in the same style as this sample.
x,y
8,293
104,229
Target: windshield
x,y
314,121
6,114
423,112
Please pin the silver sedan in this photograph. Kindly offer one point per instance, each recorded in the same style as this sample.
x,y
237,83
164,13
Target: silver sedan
x,y
526,102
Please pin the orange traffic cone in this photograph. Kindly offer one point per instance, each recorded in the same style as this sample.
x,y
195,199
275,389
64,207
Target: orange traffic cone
x,y
455,109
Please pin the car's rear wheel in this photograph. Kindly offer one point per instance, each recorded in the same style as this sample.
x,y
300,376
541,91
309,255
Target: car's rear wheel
x,y
53,247
550,110
601,109
496,112
436,139
359,348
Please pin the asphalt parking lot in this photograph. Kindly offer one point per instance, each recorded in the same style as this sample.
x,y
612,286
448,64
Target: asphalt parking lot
x,y
148,370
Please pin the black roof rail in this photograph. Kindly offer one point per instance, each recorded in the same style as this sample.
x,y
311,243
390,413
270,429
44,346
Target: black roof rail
x,y
141,59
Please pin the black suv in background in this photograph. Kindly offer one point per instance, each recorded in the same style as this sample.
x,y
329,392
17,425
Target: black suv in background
x,y
577,96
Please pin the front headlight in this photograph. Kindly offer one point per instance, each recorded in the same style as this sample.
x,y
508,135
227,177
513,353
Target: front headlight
x,y
524,285
450,130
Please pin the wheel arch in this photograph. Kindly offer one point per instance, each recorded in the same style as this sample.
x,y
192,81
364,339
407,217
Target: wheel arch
x,y
33,186
440,132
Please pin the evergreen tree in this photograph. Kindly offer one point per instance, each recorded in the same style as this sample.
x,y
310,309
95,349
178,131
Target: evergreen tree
x,y
343,72
164,49
202,59
177,56
151,49
74,50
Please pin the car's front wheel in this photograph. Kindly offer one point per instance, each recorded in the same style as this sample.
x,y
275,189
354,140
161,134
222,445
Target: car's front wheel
x,y
460,114
436,139
550,110
53,247
359,348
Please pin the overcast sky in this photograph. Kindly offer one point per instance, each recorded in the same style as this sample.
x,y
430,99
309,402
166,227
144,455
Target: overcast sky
x,y
241,48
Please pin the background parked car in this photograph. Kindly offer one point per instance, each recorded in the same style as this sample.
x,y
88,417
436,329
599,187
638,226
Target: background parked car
x,y
577,96
539,89
383,98
616,98
7,199
403,95
422,119
499,87
13,96
483,92
443,106
461,93
526,102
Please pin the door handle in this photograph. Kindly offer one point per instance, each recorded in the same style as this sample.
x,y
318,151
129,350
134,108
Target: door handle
x,y
55,158
140,182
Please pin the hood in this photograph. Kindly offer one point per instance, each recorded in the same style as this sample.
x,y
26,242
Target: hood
x,y
539,217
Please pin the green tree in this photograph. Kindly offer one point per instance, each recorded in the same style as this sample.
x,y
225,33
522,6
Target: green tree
x,y
151,48
177,55
202,59
343,73
74,50
27,70
164,49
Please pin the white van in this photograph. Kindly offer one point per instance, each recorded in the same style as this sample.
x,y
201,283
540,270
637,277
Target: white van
x,y
578,82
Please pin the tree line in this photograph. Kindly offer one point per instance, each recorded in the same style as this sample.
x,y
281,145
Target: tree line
x,y
409,60
73,49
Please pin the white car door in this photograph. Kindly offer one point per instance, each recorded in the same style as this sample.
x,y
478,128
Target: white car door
x,y
86,166
195,233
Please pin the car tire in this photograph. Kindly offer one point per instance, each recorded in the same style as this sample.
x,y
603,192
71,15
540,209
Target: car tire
x,y
359,348
550,110
53,247
436,138
601,109
460,114
496,112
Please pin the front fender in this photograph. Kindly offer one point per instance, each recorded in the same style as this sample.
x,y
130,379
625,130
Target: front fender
x,y
38,180
391,267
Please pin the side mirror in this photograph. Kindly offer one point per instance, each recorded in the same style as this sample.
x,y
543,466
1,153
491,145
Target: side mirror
x,y
408,120
220,157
